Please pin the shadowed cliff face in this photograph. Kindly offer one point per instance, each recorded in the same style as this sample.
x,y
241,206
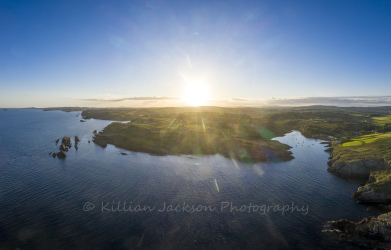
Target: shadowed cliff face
x,y
371,231
377,189
358,168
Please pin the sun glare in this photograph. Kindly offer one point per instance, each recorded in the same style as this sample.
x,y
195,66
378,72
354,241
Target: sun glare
x,y
196,94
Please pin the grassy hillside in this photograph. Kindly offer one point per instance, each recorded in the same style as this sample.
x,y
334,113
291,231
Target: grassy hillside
x,y
360,140
381,181
376,148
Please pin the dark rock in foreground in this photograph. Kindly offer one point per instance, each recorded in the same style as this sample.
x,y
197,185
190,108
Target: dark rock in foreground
x,y
371,231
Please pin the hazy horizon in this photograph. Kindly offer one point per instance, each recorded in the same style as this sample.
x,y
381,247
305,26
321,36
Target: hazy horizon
x,y
150,102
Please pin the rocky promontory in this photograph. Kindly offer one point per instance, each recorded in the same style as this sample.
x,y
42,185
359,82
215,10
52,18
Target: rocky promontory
x,y
360,160
377,189
357,168
371,231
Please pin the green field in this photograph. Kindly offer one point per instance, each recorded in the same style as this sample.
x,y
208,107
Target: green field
x,y
377,149
381,121
357,141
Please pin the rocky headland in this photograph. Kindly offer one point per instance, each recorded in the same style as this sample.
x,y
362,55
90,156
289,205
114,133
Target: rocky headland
x,y
370,160
360,160
370,232
377,189
357,168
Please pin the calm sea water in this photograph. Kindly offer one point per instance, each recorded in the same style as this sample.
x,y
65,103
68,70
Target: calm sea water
x,y
48,203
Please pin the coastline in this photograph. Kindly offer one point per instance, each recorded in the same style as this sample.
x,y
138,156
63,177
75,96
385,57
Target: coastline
x,y
370,231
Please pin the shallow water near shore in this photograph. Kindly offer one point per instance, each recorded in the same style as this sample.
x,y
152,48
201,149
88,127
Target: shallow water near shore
x,y
89,200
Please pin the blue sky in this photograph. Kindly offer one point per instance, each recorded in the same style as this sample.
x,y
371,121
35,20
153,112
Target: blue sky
x,y
105,53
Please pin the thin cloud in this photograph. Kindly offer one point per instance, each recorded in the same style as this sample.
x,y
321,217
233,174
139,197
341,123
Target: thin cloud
x,y
337,101
342,101
240,99
143,98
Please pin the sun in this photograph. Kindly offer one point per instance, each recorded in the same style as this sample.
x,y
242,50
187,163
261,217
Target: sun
x,y
196,93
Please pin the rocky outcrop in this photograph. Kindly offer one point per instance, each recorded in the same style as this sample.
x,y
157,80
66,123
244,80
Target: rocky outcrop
x,y
61,155
76,142
371,231
377,189
366,194
63,148
82,121
66,141
357,168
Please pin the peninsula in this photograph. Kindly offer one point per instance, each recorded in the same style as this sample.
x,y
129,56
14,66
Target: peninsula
x,y
232,135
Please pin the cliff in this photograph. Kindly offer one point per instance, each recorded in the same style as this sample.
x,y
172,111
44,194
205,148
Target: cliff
x,y
377,189
358,168
360,160
371,231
